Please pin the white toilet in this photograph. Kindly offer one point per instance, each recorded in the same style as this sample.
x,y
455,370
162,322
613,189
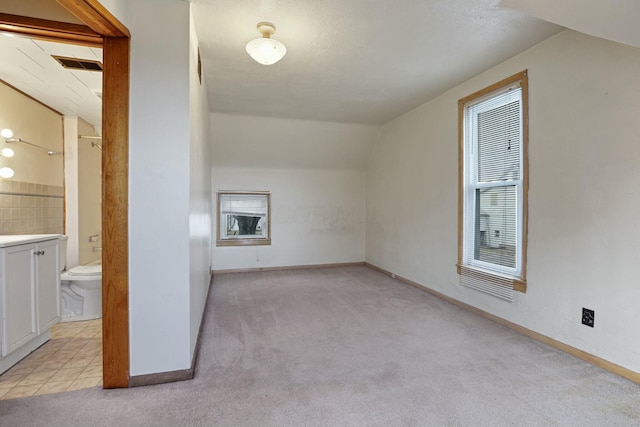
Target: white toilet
x,y
80,289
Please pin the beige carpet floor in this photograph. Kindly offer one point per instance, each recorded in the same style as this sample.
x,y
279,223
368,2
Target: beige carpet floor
x,y
351,347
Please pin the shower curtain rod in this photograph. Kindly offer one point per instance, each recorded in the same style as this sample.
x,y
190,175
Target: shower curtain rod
x,y
49,152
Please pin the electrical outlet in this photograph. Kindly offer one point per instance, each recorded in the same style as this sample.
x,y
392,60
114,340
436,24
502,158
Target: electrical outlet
x,y
588,317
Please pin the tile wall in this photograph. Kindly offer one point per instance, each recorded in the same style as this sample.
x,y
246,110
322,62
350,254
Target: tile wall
x,y
27,208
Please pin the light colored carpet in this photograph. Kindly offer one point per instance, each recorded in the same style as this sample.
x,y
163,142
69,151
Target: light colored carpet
x,y
351,347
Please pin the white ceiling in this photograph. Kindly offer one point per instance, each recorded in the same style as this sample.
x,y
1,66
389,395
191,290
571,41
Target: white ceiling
x,y
612,20
28,66
361,61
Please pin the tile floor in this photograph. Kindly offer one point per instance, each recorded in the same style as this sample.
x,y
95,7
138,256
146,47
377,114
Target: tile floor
x,y
70,360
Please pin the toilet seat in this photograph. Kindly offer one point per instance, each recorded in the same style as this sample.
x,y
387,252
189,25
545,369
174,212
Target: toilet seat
x,y
86,270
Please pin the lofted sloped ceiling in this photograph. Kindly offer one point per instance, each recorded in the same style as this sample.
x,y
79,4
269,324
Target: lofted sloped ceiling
x,y
361,61
612,20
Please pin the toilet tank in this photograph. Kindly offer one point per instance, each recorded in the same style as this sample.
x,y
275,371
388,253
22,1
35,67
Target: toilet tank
x,y
63,252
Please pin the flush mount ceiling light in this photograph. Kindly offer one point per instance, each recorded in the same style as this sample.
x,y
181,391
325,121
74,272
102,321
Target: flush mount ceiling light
x,y
266,50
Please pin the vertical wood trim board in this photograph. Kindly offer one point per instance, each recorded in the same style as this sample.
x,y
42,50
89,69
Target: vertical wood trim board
x,y
115,181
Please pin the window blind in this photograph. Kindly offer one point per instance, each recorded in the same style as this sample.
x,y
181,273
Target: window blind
x,y
493,192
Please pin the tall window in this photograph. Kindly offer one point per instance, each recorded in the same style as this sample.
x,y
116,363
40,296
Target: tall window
x,y
493,188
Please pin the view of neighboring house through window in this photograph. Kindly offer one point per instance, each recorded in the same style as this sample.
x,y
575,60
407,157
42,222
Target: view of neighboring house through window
x,y
243,218
493,187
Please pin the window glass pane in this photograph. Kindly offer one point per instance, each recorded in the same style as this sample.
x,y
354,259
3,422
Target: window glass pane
x,y
498,131
495,233
244,225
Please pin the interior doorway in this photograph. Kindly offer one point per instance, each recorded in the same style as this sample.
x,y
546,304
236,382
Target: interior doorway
x,y
102,29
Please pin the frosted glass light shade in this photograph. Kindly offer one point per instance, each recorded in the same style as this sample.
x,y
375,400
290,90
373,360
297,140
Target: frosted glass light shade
x,y
6,173
266,51
7,152
6,133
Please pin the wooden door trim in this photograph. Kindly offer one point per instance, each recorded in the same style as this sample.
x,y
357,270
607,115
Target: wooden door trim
x,y
115,207
44,29
96,16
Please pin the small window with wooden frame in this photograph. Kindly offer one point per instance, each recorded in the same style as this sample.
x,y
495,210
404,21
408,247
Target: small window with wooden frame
x,y
493,184
244,218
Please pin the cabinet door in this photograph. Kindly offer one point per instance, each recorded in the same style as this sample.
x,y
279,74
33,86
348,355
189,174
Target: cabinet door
x,y
18,296
47,285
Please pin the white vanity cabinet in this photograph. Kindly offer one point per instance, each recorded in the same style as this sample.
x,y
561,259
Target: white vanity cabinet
x,y
29,294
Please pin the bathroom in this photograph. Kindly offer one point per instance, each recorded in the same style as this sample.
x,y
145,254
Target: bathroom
x,y
50,178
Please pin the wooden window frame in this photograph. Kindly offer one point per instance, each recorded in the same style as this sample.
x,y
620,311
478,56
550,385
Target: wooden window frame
x,y
519,283
259,241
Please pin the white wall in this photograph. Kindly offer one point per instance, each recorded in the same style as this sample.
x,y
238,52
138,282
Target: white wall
x,y
583,198
315,172
159,183
199,190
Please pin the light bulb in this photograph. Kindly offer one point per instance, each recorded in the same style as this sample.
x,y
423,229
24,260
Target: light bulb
x,y
7,152
6,133
266,51
6,173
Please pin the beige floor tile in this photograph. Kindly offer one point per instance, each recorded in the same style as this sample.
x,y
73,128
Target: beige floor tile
x,y
67,374
88,352
91,371
20,370
81,383
21,391
71,359
53,387
52,345
75,344
37,378
51,365
10,381
87,335
38,356
77,362
65,355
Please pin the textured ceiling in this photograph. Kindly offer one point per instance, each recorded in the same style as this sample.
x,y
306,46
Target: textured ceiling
x,y
364,61
361,61
617,21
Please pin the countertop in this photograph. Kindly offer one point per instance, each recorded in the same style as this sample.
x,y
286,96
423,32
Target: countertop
x,y
20,239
